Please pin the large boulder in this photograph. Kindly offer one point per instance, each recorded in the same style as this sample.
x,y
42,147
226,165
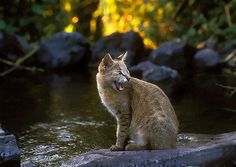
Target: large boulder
x,y
9,151
118,43
210,44
177,55
163,76
213,150
206,58
64,50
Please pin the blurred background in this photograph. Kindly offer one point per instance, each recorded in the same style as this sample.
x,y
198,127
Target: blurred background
x,y
50,49
156,21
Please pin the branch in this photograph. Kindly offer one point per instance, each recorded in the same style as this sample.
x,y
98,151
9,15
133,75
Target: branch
x,y
27,56
231,58
227,12
7,71
19,61
180,9
232,89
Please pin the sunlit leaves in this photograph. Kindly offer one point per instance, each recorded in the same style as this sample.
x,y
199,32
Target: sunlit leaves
x,y
69,28
148,17
75,19
153,19
67,6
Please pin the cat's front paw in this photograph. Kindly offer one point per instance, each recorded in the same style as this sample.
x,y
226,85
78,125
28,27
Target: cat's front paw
x,y
116,148
134,147
129,147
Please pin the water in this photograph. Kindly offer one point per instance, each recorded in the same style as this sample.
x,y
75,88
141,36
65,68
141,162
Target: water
x,y
57,116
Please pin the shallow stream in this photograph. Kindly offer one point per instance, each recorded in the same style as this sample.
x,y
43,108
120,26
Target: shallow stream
x,y
57,116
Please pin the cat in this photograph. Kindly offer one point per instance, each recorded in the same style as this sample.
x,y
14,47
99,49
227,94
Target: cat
x,y
145,117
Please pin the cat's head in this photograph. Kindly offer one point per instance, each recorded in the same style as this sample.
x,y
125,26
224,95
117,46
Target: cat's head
x,y
114,71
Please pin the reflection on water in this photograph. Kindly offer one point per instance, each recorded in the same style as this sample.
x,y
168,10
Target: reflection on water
x,y
58,116
50,143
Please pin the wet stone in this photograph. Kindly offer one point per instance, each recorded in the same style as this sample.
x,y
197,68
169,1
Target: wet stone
x,y
195,152
64,50
165,77
9,151
177,55
207,58
118,43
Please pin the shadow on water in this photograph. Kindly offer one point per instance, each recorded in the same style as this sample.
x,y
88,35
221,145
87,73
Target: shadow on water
x,y
204,107
54,116
57,116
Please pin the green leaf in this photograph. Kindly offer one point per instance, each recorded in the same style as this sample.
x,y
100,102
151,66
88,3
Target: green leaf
x,y
37,9
2,24
11,29
191,32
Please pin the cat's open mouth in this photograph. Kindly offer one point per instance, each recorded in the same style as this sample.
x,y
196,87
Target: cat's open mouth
x,y
118,86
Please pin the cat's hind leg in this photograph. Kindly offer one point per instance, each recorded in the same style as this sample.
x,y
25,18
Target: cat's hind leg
x,y
139,142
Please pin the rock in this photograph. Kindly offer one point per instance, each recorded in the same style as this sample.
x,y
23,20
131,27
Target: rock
x,y
9,151
210,44
31,164
2,132
163,76
176,55
207,58
216,150
64,50
117,43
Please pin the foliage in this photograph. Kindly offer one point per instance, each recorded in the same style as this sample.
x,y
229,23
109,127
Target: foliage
x,y
156,20
201,20
161,20
32,19
37,19
147,17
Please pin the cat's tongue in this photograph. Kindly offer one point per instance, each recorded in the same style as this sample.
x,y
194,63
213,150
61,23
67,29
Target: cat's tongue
x,y
119,86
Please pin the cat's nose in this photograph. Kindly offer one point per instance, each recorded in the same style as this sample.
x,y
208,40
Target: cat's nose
x,y
127,77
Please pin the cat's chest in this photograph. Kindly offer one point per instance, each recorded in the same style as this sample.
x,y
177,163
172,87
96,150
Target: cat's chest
x,y
114,101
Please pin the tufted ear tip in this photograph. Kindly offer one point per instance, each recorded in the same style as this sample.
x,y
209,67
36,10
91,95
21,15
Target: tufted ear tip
x,y
123,56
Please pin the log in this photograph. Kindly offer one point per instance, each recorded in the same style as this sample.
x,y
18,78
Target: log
x,y
17,65
212,150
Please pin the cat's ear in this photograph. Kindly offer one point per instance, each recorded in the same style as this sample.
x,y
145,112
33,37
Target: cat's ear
x,y
107,60
123,56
